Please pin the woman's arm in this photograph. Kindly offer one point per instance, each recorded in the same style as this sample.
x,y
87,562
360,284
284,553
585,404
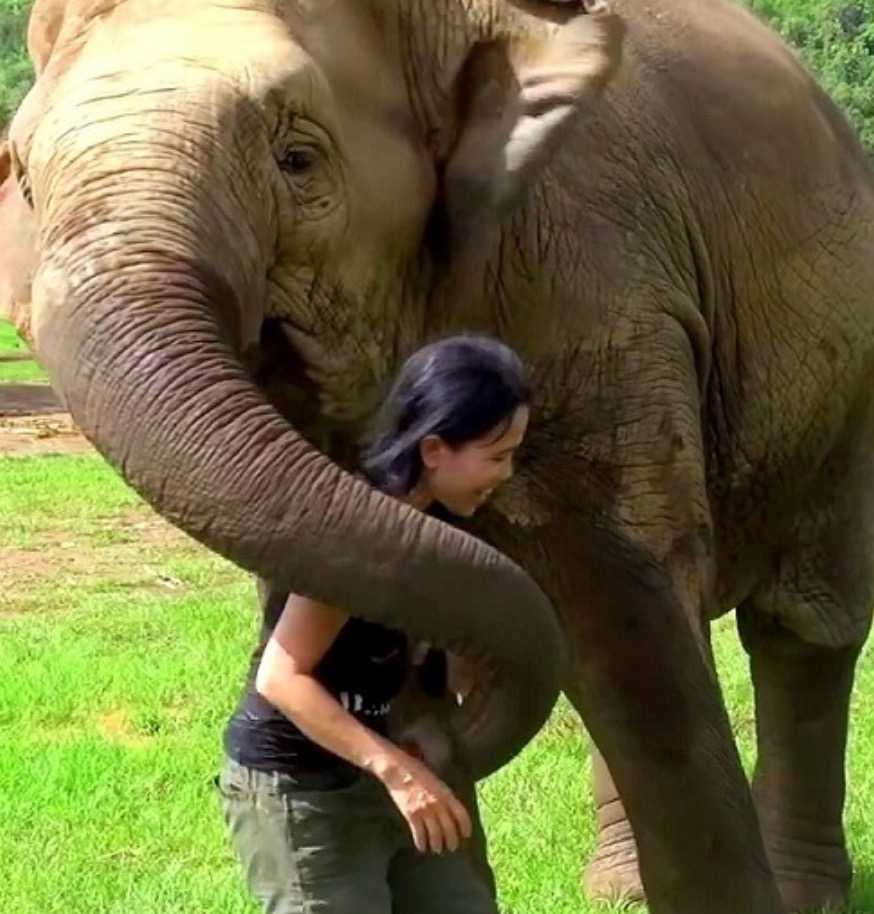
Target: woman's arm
x,y
305,631
302,636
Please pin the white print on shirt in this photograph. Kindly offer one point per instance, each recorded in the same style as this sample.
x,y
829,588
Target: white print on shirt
x,y
355,705
389,656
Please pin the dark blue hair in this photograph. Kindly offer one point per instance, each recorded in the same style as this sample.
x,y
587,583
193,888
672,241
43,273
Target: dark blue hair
x,y
458,388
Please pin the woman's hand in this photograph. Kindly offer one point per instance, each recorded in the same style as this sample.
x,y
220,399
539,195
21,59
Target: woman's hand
x,y
437,820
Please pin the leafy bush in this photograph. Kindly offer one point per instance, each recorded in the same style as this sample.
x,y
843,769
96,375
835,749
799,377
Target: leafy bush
x,y
15,70
835,38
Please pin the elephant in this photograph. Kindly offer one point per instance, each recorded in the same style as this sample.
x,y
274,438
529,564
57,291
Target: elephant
x,y
245,216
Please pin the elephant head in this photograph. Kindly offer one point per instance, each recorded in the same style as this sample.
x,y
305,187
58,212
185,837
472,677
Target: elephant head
x,y
214,182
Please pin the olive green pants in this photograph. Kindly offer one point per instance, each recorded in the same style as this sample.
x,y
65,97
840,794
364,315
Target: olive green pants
x,y
343,850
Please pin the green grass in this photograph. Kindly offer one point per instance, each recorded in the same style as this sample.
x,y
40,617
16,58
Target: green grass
x,y
24,372
116,679
48,497
19,372
10,341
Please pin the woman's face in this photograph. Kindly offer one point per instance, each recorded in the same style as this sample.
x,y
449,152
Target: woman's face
x,y
462,478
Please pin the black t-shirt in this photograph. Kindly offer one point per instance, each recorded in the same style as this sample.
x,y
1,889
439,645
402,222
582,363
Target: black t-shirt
x,y
364,669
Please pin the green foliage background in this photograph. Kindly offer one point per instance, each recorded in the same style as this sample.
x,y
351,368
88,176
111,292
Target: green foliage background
x,y
835,37
15,70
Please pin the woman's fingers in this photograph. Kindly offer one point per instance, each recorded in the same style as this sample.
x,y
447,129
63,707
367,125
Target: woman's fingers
x,y
461,816
439,828
436,818
434,831
420,836
448,828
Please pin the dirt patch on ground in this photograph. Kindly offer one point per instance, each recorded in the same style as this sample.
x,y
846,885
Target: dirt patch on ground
x,y
37,436
28,400
126,548
32,423
133,559
16,357
116,727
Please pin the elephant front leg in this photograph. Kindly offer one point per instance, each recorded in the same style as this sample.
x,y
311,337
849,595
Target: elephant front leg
x,y
630,557
612,874
802,706
643,686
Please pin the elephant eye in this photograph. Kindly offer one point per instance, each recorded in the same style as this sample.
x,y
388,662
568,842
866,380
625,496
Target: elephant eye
x,y
20,176
26,192
305,161
298,161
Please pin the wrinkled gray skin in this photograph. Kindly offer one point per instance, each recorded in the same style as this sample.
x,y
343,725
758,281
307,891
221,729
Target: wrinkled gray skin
x,y
246,215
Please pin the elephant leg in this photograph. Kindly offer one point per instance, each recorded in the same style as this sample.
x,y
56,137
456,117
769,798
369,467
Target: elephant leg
x,y
632,569
802,706
803,628
613,873
643,685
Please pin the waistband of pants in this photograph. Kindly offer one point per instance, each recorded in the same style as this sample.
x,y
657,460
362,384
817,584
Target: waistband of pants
x,y
279,781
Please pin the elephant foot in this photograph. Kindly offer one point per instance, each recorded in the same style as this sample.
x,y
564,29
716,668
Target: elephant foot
x,y
612,875
810,895
811,877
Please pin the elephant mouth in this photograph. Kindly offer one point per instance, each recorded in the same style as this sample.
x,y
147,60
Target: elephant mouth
x,y
280,370
285,377
278,347
476,702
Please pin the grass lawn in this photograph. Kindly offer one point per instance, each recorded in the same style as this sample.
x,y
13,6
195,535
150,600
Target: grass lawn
x,y
10,340
24,372
13,369
122,648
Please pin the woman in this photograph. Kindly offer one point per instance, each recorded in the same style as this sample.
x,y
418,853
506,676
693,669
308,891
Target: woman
x,y
327,814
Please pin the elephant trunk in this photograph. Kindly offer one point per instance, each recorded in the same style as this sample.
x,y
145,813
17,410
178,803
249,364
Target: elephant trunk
x,y
138,318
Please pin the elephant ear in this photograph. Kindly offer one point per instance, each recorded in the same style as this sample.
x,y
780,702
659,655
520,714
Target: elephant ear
x,y
517,101
46,21
17,242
